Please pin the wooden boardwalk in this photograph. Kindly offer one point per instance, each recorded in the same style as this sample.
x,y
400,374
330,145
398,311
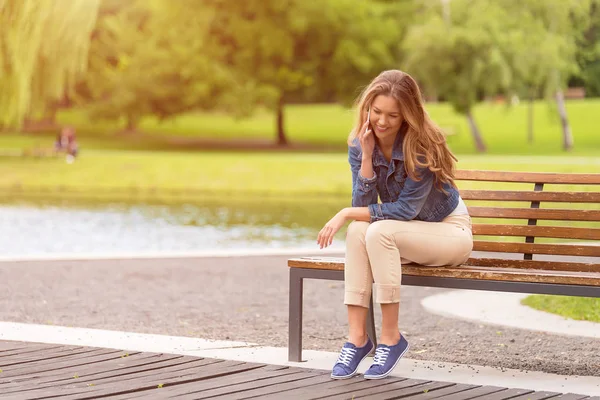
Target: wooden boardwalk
x,y
43,371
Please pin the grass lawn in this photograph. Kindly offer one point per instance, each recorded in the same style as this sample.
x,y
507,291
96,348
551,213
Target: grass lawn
x,y
503,128
233,174
579,308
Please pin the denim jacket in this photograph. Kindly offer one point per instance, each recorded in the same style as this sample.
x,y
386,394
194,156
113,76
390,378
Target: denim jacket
x,y
402,198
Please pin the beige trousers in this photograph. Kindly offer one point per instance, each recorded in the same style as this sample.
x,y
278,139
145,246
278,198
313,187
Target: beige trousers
x,y
376,252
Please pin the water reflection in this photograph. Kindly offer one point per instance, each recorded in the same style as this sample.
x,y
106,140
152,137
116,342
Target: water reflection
x,y
49,227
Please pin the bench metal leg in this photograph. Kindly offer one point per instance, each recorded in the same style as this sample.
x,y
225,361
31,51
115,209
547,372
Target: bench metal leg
x,y
295,316
371,324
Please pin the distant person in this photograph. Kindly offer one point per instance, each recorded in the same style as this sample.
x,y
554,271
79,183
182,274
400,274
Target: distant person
x,y
399,155
67,142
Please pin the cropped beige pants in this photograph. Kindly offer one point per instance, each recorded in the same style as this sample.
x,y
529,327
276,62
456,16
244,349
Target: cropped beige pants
x,y
376,252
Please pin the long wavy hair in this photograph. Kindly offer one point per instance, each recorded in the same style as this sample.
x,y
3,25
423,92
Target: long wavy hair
x,y
425,143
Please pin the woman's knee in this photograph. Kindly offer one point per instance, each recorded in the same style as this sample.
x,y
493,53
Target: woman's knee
x,y
381,231
356,231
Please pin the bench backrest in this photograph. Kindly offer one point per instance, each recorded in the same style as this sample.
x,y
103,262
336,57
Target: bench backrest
x,y
537,209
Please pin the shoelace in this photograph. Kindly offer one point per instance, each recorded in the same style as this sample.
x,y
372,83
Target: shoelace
x,y
381,354
346,355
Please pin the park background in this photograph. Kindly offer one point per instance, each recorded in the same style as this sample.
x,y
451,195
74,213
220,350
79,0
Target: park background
x,y
225,122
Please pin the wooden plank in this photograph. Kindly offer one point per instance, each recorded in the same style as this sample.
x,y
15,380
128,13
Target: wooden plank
x,y
521,195
537,396
536,248
328,263
313,382
333,387
409,387
56,354
63,362
506,275
134,364
573,396
457,388
176,367
560,232
506,394
26,350
179,366
481,392
337,264
265,376
263,386
553,214
533,264
9,345
527,177
152,383
75,388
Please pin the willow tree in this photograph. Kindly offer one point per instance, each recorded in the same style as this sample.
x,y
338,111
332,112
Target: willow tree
x,y
43,50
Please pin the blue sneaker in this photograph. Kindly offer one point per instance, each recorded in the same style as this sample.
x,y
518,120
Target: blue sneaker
x,y
349,359
386,358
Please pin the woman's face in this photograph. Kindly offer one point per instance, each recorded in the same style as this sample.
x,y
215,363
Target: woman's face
x,y
385,116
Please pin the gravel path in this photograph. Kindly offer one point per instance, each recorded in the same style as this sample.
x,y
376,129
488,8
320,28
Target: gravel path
x,y
245,299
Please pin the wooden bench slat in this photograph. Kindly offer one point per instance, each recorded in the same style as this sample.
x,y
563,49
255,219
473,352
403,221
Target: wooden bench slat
x,y
527,177
533,264
560,232
535,213
473,272
520,195
337,264
535,248
505,274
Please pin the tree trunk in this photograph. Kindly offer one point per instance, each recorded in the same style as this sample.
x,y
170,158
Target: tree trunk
x,y
479,144
281,139
530,117
130,127
564,120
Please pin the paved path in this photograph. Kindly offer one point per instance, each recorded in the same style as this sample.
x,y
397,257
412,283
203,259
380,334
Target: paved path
x,y
245,299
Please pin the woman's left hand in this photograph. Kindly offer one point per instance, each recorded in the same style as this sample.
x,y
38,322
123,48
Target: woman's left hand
x,y
325,237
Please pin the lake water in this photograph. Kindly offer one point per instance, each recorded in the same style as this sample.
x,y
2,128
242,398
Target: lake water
x,y
46,229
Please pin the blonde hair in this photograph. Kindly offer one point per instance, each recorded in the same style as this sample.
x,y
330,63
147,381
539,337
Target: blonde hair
x,y
424,144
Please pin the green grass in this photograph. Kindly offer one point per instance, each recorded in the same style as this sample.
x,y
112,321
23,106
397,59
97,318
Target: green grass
x,y
281,174
579,308
503,128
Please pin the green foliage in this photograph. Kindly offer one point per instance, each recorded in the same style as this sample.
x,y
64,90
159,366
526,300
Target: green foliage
x,y
457,58
148,59
302,50
43,50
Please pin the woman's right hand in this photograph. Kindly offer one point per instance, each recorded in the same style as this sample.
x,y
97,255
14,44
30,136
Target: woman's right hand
x,y
367,140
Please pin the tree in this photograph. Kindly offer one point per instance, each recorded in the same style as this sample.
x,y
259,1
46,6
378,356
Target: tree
x,y
43,50
457,56
588,54
301,49
147,58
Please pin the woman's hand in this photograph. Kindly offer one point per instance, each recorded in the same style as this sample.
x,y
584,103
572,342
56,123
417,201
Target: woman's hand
x,y
325,237
367,140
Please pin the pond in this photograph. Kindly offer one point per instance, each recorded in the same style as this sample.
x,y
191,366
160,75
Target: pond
x,y
38,228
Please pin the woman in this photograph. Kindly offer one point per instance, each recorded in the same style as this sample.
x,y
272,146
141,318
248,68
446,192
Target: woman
x,y
399,155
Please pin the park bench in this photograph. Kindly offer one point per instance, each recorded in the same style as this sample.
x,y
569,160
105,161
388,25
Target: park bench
x,y
564,262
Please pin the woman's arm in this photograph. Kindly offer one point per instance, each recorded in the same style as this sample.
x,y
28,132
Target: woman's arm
x,y
364,190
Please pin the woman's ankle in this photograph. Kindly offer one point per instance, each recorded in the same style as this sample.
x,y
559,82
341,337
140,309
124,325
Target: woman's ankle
x,y
390,338
358,339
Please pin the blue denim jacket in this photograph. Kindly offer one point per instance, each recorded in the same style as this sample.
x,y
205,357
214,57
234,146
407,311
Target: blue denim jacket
x,y
402,198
